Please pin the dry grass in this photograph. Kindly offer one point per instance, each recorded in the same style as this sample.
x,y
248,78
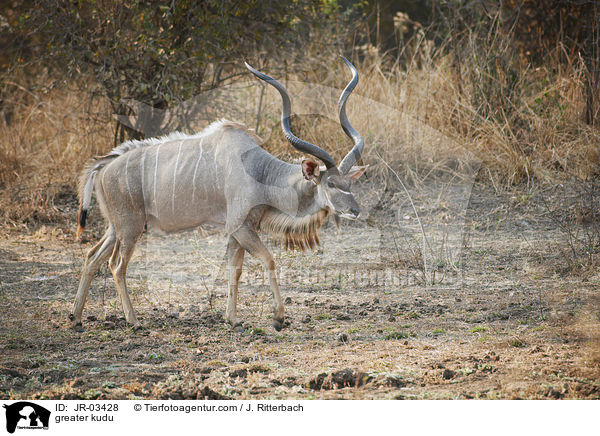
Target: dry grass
x,y
51,133
431,118
543,137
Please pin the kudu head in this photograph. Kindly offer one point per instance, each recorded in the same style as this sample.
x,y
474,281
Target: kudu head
x,y
332,184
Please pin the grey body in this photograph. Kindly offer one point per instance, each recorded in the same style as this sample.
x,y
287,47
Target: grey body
x,y
219,176
215,178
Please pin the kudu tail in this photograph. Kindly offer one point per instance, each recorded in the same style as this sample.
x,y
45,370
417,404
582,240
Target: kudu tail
x,y
86,189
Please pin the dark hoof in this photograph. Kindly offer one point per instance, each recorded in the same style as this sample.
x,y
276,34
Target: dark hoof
x,y
71,317
277,325
239,328
78,327
137,327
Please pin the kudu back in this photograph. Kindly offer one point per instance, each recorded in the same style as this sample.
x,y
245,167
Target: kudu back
x,y
220,176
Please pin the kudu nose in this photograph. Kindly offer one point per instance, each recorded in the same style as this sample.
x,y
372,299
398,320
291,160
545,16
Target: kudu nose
x,y
355,211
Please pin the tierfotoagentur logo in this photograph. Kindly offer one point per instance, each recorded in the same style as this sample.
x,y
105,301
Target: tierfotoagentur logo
x,y
24,415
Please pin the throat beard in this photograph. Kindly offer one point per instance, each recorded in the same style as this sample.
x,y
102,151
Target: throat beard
x,y
295,233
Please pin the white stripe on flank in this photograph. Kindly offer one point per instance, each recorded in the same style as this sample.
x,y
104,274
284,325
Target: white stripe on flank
x,y
143,185
127,177
87,191
155,180
217,172
103,174
175,179
195,171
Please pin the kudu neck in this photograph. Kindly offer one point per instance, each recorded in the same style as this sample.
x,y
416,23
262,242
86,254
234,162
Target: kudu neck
x,y
299,195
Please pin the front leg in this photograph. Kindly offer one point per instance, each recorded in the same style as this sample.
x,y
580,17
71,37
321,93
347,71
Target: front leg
x,y
250,241
235,259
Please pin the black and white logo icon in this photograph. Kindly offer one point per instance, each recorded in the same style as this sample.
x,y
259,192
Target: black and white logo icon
x,y
26,415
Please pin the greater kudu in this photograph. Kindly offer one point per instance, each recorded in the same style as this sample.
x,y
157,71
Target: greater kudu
x,y
221,176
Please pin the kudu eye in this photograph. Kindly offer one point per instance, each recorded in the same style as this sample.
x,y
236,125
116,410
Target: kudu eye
x,y
330,184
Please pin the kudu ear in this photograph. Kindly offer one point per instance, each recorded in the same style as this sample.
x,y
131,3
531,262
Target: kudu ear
x,y
310,170
356,172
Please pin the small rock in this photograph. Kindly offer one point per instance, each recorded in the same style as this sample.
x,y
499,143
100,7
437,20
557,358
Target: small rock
x,y
290,382
339,379
448,374
208,394
241,373
139,356
11,372
395,381
79,381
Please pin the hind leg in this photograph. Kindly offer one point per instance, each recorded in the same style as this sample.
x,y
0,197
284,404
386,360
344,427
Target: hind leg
x,y
235,258
118,265
93,260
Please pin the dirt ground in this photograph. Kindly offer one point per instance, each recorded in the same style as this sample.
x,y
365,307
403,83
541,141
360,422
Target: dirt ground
x,y
499,316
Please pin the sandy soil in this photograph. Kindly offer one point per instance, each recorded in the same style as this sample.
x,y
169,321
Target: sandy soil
x,y
499,315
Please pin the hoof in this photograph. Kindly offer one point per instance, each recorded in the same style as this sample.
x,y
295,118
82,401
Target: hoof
x,y
78,327
137,327
239,328
277,324
71,317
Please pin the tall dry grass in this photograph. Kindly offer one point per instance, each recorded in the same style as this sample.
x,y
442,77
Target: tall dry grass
x,y
537,133
428,117
46,135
